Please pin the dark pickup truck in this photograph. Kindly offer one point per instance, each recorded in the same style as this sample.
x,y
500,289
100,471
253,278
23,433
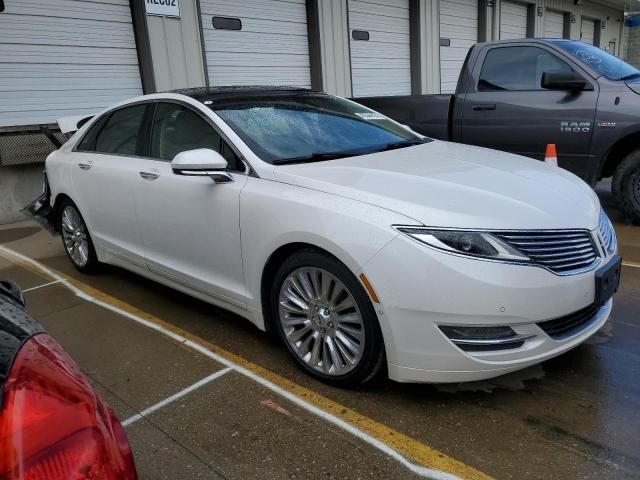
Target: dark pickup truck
x,y
520,95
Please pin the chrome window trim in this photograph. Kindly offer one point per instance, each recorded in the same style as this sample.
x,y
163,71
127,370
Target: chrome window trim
x,y
248,170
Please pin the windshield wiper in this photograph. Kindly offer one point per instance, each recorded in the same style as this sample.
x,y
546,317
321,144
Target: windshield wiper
x,y
631,77
400,144
315,157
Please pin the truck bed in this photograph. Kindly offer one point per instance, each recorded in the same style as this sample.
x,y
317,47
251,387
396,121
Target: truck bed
x,y
426,114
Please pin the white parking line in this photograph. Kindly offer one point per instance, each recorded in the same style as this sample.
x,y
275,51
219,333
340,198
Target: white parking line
x,y
40,286
631,264
175,396
430,473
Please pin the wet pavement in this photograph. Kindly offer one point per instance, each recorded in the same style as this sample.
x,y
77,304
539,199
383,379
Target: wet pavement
x,y
573,417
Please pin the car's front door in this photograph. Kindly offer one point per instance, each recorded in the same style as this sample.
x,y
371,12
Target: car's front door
x,y
191,225
105,169
507,109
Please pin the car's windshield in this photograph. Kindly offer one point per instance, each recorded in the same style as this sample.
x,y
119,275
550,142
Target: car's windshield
x,y
608,65
311,127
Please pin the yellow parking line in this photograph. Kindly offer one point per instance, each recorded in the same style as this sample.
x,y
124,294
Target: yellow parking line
x,y
631,264
413,450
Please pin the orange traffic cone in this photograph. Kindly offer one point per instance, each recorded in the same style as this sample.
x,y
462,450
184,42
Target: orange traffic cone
x,y
551,158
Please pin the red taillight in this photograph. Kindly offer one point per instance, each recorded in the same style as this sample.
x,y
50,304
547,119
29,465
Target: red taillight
x,y
54,426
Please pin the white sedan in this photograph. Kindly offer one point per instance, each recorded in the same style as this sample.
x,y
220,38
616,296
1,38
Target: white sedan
x,y
365,246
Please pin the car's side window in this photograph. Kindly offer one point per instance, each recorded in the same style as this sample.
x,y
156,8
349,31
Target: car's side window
x,y
177,128
518,68
120,134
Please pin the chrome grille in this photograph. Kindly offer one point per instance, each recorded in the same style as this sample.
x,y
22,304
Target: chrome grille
x,y
607,234
562,252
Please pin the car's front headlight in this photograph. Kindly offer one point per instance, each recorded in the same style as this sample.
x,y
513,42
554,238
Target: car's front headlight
x,y
472,244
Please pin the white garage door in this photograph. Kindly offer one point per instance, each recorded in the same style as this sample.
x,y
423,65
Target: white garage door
x,y
458,26
587,30
64,57
380,65
270,48
513,20
553,24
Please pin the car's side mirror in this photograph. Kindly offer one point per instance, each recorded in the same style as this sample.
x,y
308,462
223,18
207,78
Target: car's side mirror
x,y
573,81
202,162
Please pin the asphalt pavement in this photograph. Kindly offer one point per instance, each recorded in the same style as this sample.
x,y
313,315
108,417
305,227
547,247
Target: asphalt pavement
x,y
573,417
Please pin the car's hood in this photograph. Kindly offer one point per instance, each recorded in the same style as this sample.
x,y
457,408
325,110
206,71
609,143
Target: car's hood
x,y
450,185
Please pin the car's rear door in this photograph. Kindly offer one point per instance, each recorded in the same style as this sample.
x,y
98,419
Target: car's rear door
x,y
105,168
189,224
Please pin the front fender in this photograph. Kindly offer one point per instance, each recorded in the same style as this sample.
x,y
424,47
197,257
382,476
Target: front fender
x,y
274,214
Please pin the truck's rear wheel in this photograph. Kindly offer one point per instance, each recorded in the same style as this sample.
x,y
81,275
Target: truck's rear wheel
x,y
626,186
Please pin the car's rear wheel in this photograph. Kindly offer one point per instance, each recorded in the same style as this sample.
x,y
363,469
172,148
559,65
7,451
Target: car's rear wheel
x,y
626,186
326,320
76,239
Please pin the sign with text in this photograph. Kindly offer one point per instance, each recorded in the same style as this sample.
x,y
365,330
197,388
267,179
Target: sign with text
x,y
167,8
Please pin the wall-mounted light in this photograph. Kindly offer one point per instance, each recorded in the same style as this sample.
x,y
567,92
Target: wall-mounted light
x,y
577,2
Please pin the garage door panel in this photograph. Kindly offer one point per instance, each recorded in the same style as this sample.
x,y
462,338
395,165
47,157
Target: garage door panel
x,y
587,30
381,65
114,11
250,43
361,51
271,48
261,75
374,23
20,30
398,10
275,10
513,20
254,59
65,57
250,25
553,24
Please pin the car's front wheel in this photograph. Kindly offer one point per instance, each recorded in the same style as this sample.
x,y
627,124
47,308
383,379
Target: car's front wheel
x,y
76,239
326,320
626,186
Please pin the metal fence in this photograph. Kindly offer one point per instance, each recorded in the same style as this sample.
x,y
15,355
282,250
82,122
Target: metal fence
x,y
26,146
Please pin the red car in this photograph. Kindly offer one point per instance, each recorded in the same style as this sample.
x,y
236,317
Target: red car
x,y
53,425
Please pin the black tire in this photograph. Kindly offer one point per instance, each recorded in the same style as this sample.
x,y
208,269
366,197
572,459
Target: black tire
x,y
92,265
626,186
373,356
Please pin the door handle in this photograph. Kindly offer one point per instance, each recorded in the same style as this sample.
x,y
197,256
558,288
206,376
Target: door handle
x,y
149,175
85,165
491,106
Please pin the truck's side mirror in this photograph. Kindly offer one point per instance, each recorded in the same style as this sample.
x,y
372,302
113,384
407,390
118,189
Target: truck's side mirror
x,y
573,81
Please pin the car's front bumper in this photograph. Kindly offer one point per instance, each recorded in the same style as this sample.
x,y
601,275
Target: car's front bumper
x,y
421,289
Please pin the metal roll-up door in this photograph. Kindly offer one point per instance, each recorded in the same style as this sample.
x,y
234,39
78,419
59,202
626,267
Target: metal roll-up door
x,y
458,33
513,20
380,51
64,57
588,30
256,42
553,24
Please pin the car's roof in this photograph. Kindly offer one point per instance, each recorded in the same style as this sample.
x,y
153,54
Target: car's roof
x,y
241,92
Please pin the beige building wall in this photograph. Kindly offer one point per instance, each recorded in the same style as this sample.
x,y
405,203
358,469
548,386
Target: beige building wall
x,y
176,49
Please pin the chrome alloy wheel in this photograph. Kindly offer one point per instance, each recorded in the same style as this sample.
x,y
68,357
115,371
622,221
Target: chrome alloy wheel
x,y
74,235
321,321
